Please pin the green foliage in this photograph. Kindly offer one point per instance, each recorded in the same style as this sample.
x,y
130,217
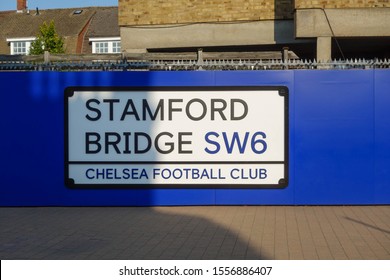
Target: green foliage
x,y
47,40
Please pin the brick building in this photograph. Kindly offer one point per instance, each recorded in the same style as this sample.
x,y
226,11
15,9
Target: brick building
x,y
358,27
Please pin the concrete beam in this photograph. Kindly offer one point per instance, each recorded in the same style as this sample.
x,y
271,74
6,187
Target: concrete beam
x,y
324,49
362,22
208,34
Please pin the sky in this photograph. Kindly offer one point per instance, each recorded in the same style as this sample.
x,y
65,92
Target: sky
x,y
6,5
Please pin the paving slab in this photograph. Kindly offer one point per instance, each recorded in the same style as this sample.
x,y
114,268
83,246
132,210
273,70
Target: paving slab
x,y
196,232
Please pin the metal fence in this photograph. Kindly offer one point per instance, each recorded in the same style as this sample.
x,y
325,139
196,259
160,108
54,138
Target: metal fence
x,y
191,64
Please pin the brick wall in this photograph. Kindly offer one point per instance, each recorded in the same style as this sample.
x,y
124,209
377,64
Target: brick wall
x,y
301,4
146,12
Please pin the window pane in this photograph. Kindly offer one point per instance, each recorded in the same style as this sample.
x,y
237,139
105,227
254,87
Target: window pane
x,y
116,47
102,47
19,48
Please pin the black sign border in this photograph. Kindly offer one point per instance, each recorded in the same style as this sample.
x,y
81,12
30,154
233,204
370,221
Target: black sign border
x,y
283,183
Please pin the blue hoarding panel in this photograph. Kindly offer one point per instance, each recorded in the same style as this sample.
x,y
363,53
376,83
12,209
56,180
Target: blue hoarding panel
x,y
382,136
339,138
32,121
31,139
334,125
263,196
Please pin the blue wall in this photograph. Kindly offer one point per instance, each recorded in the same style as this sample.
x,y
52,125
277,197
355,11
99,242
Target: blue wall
x,y
339,138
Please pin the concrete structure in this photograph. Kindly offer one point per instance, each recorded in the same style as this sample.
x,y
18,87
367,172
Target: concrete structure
x,y
309,28
355,22
217,23
266,32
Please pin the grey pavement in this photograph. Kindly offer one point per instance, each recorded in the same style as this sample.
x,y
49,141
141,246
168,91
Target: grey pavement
x,y
196,232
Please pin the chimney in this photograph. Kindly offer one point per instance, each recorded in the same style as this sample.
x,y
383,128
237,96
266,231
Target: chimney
x,y
21,6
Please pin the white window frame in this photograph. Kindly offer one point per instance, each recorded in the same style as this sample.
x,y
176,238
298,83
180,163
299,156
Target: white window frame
x,y
116,47
110,42
101,47
26,40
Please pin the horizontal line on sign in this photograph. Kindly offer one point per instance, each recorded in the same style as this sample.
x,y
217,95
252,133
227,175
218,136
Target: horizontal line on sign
x,y
176,162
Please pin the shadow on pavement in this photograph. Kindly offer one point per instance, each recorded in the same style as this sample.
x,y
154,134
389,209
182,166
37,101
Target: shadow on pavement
x,y
122,233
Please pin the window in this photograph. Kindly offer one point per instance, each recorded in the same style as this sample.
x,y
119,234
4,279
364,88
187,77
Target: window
x,y
116,47
101,47
106,45
20,46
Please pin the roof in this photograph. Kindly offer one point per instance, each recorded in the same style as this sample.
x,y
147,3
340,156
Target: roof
x,y
100,22
14,25
104,23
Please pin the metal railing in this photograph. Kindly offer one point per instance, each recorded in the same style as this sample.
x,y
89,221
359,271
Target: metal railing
x,y
184,62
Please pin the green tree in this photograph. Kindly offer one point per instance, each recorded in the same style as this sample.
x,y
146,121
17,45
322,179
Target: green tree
x,y
47,40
